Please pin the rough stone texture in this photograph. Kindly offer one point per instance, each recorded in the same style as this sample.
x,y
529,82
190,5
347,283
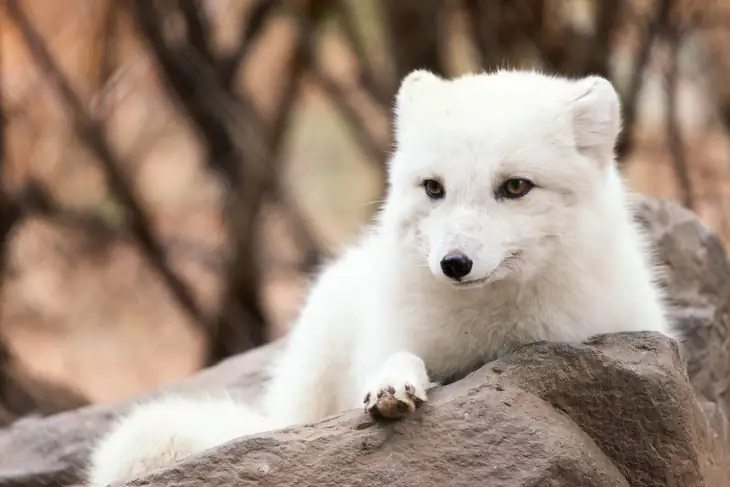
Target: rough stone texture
x,y
616,411
508,437
698,281
53,450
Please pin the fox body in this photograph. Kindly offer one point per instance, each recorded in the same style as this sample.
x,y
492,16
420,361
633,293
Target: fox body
x,y
505,222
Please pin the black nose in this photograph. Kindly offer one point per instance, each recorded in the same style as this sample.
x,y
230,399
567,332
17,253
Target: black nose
x,y
456,265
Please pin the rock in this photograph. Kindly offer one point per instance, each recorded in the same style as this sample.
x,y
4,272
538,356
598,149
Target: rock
x,y
631,394
698,281
505,437
53,450
616,411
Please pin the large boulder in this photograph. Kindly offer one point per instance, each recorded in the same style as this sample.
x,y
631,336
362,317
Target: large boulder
x,y
618,410
697,276
38,452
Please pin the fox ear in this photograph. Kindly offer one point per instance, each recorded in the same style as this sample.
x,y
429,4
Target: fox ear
x,y
412,87
596,111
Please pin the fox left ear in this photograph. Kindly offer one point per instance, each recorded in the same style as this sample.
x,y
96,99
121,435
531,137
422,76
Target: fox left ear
x,y
414,85
413,96
596,111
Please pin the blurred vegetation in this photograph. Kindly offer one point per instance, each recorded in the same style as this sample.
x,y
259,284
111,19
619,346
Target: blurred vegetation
x,y
174,171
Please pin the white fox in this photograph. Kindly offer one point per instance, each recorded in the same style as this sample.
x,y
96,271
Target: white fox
x,y
506,222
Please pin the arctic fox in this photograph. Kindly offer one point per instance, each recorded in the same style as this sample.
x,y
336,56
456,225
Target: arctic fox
x,y
506,222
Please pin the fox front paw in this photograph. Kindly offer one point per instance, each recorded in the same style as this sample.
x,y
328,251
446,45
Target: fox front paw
x,y
391,401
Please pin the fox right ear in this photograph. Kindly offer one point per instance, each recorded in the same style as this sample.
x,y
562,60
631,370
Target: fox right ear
x,y
412,86
596,116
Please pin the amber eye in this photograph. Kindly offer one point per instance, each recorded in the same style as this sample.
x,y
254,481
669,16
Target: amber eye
x,y
434,189
516,188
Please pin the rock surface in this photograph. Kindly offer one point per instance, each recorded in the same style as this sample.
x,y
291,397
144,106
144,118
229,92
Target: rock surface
x,y
616,411
38,452
698,282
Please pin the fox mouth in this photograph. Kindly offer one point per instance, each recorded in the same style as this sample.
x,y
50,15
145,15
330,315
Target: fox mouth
x,y
473,283
481,282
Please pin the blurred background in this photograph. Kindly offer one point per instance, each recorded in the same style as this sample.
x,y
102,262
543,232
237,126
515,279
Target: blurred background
x,y
174,171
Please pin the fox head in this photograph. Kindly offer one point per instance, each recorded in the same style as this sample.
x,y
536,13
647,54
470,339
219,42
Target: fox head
x,y
494,173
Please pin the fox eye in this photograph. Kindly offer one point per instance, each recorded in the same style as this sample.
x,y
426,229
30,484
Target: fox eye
x,y
515,188
434,189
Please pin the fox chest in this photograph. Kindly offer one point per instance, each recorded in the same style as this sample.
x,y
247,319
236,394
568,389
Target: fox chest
x,y
453,343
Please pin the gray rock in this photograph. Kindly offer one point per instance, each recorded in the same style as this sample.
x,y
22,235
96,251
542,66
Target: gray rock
x,y
54,450
616,411
697,275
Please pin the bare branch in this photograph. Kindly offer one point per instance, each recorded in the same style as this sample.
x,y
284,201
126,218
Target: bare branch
x,y
9,211
20,392
93,135
367,141
257,17
674,134
301,231
607,21
367,72
198,28
630,100
190,77
235,150
224,117
484,20
107,58
415,32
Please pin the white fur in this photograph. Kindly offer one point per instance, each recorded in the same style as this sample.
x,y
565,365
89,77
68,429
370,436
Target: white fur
x,y
562,263
162,432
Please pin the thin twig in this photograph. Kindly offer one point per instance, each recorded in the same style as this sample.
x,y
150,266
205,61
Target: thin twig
x,y
301,231
9,211
199,30
367,72
277,130
235,151
674,134
239,285
257,17
187,81
414,30
93,135
483,19
107,60
607,21
312,251
366,140
630,101
215,110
